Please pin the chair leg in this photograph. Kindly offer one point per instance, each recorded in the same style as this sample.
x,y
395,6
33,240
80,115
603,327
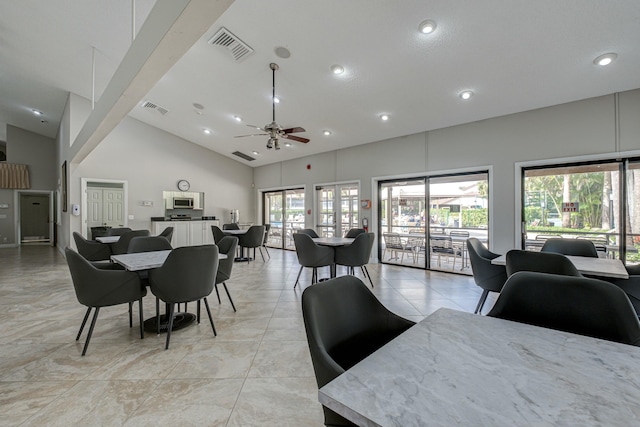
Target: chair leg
x,y
267,251
206,304
229,295
158,314
198,311
84,321
172,307
130,315
483,298
217,293
261,254
141,319
298,278
93,323
364,270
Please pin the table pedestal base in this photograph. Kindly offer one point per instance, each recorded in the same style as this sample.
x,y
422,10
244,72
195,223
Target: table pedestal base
x,y
180,320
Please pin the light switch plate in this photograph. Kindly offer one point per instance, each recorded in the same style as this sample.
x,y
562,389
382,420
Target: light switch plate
x,y
131,217
4,205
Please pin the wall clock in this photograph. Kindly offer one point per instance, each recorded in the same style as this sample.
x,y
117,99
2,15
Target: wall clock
x,y
183,185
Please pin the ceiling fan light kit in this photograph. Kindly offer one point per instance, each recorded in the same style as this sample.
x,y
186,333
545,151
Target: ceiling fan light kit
x,y
273,130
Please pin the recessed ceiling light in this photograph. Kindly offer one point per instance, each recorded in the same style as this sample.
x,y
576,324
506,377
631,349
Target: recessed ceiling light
x,y
605,59
287,144
276,100
465,94
207,131
384,117
198,106
255,153
337,69
427,26
326,133
37,112
237,118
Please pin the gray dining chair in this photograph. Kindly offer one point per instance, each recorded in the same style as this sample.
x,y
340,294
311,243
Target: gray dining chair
x,y
354,232
167,233
253,238
267,229
356,254
575,247
96,288
91,249
489,277
541,262
309,232
227,245
188,274
630,286
122,245
345,323
311,255
231,226
218,234
579,305
117,231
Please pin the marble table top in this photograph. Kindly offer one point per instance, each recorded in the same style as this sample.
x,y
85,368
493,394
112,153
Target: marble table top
x,y
108,239
146,260
457,368
333,241
234,232
605,267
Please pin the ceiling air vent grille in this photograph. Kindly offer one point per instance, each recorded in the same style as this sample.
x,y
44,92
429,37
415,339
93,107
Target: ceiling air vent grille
x,y
225,38
151,106
243,156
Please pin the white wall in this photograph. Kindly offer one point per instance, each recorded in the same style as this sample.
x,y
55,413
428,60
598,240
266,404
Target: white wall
x,y
588,127
152,161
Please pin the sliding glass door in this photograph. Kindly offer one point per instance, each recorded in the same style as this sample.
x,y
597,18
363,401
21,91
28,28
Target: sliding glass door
x,y
284,210
425,222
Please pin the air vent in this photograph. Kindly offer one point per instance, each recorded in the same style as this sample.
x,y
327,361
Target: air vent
x,y
243,156
151,106
225,38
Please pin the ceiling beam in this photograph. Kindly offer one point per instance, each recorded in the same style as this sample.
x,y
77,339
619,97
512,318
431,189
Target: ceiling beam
x,y
170,30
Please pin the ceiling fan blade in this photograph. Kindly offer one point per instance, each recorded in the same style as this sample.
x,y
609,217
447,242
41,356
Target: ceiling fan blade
x,y
253,134
296,138
256,127
294,130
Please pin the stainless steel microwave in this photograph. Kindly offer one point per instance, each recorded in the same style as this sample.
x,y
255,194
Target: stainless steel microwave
x,y
183,203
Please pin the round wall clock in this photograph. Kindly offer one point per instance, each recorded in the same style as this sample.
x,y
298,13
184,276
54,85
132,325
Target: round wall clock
x,y
183,185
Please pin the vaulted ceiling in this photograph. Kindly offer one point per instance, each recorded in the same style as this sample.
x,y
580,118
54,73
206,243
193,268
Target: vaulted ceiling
x,y
513,55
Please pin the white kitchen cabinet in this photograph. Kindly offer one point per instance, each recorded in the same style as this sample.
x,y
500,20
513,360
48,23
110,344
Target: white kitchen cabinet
x,y
187,233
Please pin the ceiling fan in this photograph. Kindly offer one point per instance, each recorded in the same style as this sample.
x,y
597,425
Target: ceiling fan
x,y
273,130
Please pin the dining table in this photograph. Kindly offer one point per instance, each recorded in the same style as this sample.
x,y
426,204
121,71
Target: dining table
x,y
333,241
458,368
108,239
242,257
603,267
141,261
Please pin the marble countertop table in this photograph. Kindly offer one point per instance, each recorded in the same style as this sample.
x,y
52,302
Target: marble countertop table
x,y
604,267
457,368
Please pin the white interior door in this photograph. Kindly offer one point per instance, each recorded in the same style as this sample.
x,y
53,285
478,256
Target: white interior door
x,y
113,207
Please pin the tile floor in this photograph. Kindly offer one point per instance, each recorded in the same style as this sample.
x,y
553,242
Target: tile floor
x,y
256,372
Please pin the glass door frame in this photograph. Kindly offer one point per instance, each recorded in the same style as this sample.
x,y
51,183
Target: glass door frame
x,y
428,178
284,229
336,228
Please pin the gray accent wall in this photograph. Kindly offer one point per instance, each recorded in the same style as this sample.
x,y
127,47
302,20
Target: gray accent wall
x,y
593,127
